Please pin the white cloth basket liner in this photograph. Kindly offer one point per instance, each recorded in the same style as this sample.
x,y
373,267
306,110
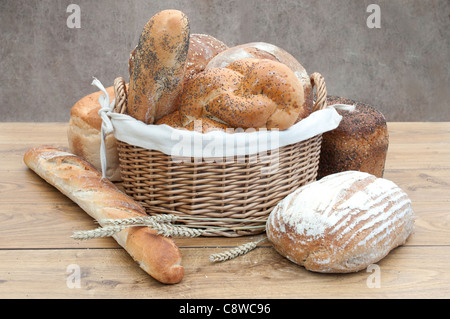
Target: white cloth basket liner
x,y
183,143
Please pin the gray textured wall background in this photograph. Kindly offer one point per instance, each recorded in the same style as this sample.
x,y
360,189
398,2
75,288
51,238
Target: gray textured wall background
x,y
403,68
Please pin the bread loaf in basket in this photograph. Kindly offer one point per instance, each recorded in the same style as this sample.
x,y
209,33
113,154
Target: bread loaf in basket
x,y
258,92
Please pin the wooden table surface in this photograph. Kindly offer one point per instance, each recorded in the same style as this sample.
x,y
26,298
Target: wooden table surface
x,y
38,259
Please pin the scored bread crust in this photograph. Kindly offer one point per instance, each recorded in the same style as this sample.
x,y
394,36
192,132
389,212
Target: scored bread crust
x,y
101,199
341,223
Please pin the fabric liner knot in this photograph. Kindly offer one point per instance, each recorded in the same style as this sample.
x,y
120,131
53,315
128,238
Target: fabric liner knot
x,y
107,127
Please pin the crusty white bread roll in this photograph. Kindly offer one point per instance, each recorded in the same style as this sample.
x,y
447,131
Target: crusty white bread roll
x,y
101,199
157,66
84,134
248,93
263,50
341,223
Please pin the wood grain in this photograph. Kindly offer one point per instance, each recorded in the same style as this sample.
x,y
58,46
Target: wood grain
x,y
36,222
415,272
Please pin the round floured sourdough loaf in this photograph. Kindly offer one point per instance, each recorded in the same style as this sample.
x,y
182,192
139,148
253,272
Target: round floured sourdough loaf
x,y
341,223
84,134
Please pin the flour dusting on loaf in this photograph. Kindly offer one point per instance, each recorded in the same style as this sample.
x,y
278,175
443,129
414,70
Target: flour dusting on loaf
x,y
341,223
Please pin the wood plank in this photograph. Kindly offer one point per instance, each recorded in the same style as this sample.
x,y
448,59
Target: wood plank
x,y
24,186
427,185
33,133
36,222
24,190
29,202
25,226
432,224
418,156
407,272
399,156
48,226
422,132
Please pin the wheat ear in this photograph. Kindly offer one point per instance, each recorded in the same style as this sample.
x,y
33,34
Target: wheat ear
x,y
235,252
106,231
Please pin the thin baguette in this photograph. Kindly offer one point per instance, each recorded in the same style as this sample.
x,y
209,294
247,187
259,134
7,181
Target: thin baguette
x,y
101,199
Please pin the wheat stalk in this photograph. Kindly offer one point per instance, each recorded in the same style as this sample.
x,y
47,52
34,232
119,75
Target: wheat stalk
x,y
98,232
112,226
162,224
140,220
235,252
168,230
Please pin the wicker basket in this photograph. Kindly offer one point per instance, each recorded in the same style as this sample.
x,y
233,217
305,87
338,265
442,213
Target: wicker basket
x,y
227,190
